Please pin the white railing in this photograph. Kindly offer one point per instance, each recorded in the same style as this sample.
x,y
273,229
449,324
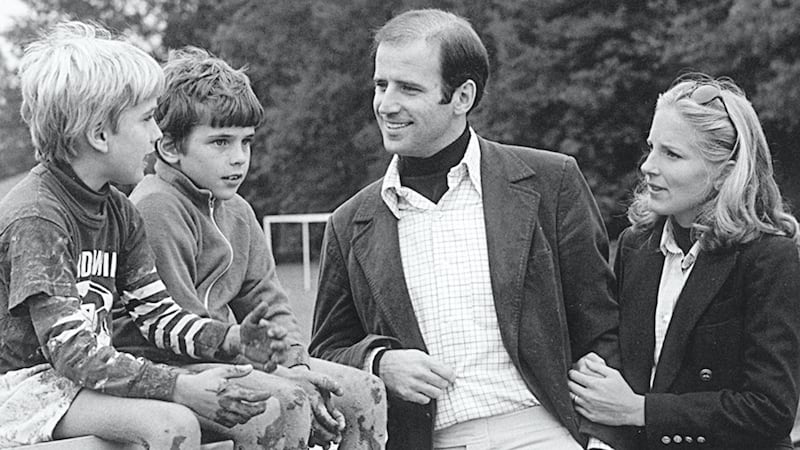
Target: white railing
x,y
304,220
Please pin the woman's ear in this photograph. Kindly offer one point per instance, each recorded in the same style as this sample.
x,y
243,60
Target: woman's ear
x,y
724,171
464,97
97,137
167,149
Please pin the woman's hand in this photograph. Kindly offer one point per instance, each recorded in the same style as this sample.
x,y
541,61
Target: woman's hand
x,y
601,394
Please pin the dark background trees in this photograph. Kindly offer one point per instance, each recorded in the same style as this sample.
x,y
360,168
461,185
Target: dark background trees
x,y
573,76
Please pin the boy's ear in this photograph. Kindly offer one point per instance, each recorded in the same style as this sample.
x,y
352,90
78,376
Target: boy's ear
x,y
167,149
97,136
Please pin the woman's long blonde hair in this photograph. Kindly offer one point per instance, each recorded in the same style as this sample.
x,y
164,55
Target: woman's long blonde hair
x,y
747,202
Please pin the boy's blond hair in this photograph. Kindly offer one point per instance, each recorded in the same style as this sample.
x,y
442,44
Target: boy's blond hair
x,y
78,77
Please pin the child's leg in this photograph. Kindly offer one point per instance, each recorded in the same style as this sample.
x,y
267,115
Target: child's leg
x,y
150,423
363,405
285,424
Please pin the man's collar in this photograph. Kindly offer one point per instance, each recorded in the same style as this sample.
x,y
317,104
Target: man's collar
x,y
391,186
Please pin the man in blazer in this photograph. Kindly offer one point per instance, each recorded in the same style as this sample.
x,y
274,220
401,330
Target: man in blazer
x,y
473,274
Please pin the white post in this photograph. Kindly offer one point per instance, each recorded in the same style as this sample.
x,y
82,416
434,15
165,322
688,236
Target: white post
x,y
304,220
306,258
268,233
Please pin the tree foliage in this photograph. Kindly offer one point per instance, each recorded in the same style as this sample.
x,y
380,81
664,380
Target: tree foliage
x,y
576,77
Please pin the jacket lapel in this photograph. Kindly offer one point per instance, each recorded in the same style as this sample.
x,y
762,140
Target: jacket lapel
x,y
642,272
376,247
510,213
710,272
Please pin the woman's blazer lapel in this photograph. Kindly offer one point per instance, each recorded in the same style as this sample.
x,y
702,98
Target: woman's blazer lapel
x,y
707,277
639,268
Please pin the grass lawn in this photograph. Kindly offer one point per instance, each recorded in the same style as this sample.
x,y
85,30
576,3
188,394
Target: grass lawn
x,y
302,301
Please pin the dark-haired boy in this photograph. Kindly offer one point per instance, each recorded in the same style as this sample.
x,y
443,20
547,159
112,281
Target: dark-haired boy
x,y
212,253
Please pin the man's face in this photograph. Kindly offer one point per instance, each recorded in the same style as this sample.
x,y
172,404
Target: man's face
x,y
407,100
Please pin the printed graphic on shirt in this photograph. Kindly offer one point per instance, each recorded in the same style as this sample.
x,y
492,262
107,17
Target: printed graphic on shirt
x,y
96,302
97,263
95,267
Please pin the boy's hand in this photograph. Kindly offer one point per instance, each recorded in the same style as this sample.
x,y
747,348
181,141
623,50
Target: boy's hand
x,y
212,394
262,341
327,422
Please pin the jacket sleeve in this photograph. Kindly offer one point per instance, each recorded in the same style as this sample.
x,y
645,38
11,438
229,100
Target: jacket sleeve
x,y
338,333
764,405
586,276
261,285
588,283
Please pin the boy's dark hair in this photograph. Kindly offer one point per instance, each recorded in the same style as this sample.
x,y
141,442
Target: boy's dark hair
x,y
204,90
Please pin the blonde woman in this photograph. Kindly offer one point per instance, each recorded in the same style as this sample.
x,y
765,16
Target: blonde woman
x,y
709,286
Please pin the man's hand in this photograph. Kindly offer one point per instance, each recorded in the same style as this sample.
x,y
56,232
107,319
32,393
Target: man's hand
x,y
414,375
260,340
327,422
212,394
602,395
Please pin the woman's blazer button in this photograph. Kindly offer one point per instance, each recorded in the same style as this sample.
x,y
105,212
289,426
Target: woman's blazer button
x,y
705,375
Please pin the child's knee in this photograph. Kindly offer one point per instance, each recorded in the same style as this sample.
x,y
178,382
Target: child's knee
x,y
287,422
365,392
173,426
294,402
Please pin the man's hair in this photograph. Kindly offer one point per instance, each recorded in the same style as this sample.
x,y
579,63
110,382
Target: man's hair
x,y
463,55
77,77
204,90
747,203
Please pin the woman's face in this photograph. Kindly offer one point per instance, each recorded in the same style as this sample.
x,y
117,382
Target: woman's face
x,y
678,179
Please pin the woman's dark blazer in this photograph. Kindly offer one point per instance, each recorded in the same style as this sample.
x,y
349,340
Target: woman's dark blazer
x,y
728,370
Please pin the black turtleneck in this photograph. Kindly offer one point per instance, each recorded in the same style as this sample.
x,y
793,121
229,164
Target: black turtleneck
x,y
428,176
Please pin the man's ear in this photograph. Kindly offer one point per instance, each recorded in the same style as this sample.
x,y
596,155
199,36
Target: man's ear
x,y
167,149
464,97
97,137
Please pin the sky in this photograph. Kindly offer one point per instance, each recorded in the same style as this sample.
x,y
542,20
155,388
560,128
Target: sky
x,y
10,9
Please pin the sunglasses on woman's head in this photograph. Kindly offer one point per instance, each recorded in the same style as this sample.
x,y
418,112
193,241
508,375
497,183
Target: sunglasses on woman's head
x,y
704,93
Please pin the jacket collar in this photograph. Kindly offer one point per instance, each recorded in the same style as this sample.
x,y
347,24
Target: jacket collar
x,y
201,198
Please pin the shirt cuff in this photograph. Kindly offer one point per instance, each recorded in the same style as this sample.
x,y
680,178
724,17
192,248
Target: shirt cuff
x,y
371,358
597,444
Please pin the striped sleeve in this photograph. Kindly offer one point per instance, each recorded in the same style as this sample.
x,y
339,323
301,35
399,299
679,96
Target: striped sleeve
x,y
166,325
71,346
